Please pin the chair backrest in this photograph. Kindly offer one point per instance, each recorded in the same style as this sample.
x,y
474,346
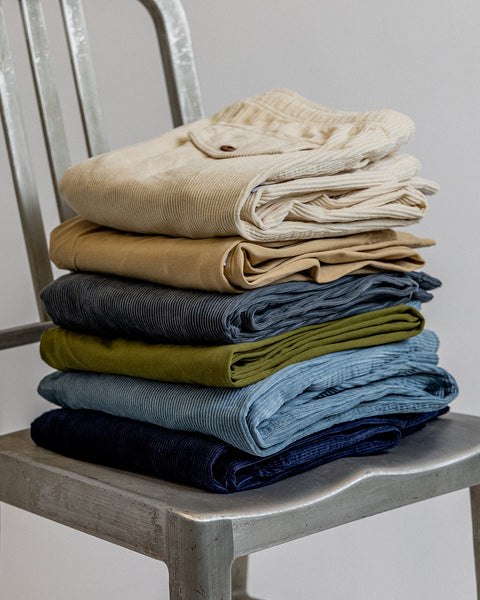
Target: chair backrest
x,y
185,104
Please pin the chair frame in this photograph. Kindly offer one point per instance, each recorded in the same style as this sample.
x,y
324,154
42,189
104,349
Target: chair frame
x,y
203,538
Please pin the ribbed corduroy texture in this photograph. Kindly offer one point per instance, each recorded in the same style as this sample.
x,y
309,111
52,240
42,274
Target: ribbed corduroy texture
x,y
267,416
228,264
205,462
291,170
118,307
228,365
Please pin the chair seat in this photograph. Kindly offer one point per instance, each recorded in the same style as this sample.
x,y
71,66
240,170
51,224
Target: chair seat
x,y
137,512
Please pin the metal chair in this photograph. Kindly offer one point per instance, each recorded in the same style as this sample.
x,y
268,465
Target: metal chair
x,y
203,538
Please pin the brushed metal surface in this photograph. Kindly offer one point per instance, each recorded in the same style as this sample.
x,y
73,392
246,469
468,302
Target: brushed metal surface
x,y
166,520
47,97
203,537
23,334
185,103
447,450
176,50
84,76
22,171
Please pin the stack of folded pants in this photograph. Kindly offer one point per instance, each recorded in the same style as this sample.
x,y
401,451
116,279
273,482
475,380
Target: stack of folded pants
x,y
240,308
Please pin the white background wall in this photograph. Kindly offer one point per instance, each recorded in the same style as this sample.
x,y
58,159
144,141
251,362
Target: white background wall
x,y
421,57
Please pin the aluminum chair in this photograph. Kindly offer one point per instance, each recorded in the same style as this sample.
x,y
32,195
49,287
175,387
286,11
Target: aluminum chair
x,y
203,538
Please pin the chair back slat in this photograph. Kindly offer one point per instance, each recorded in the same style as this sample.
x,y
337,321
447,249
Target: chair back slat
x,y
84,75
176,51
185,104
47,97
22,171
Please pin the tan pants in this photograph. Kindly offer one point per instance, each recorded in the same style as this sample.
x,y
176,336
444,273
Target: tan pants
x,y
229,264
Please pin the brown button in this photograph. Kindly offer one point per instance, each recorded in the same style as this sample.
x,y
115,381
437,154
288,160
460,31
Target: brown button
x,y
227,148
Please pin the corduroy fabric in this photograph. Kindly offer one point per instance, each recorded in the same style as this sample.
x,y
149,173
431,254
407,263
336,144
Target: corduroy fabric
x,y
271,167
118,307
228,365
205,462
265,417
229,264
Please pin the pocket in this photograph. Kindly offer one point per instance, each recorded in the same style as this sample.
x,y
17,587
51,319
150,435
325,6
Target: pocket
x,y
226,140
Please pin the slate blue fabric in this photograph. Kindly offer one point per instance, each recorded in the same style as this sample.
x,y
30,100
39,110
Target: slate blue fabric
x,y
267,416
203,461
117,307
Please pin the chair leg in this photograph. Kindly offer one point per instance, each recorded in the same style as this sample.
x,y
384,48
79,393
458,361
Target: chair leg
x,y
1,552
239,579
475,505
199,560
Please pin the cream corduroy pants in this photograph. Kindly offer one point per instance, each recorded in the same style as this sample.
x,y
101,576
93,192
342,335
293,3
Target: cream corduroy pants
x,y
268,168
